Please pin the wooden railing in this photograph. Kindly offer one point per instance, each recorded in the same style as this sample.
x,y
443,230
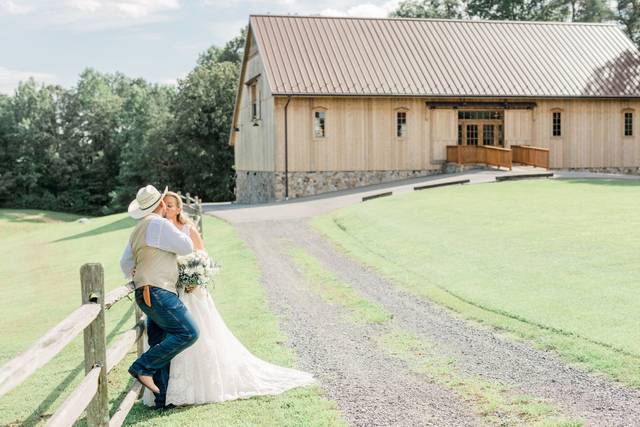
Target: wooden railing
x,y
91,393
470,154
532,156
192,205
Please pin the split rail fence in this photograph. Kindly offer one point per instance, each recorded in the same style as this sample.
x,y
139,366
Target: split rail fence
x,y
192,205
91,394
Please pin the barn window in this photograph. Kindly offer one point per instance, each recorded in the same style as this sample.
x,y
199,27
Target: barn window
x,y
557,124
401,124
255,113
628,123
319,130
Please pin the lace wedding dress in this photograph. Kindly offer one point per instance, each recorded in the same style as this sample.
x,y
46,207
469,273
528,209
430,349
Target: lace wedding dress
x,y
218,367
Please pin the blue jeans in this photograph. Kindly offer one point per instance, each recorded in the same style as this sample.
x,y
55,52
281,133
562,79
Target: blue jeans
x,y
170,329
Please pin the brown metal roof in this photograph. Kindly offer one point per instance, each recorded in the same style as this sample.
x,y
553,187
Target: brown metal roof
x,y
420,57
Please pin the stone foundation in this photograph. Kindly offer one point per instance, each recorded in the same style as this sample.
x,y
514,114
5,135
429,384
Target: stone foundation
x,y
255,186
631,170
456,168
262,187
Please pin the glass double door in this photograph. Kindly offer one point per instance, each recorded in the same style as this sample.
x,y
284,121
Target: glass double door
x,y
480,133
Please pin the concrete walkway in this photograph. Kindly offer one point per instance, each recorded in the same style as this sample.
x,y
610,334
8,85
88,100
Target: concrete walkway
x,y
306,207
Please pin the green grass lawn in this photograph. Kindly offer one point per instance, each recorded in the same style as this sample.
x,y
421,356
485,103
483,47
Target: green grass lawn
x,y
553,261
42,253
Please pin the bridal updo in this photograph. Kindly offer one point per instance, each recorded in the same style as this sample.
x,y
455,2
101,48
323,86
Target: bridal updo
x,y
182,217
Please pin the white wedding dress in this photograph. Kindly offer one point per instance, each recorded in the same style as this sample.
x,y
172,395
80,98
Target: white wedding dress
x,y
218,367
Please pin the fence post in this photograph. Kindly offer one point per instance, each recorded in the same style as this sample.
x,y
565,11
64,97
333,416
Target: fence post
x,y
138,314
140,344
95,349
200,213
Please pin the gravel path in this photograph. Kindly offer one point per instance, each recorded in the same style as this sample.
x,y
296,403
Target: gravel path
x,y
355,372
351,368
481,352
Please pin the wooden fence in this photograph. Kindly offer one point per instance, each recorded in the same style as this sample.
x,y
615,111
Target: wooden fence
x,y
532,156
470,154
91,393
192,205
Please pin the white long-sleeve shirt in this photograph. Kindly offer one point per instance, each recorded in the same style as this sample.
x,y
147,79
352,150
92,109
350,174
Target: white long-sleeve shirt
x,y
161,234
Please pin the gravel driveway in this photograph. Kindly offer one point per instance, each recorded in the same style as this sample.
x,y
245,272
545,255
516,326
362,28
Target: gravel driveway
x,y
372,388
369,387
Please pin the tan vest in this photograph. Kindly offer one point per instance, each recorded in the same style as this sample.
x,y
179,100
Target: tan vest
x,y
154,267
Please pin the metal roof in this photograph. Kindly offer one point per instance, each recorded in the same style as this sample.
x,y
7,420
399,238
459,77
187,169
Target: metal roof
x,y
313,55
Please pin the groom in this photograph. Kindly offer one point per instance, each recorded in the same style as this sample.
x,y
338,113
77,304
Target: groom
x,y
150,257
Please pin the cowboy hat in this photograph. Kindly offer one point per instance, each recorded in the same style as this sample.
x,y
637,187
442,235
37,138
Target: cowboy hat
x,y
147,200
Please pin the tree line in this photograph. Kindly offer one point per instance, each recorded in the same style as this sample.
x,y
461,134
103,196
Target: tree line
x,y
626,12
88,149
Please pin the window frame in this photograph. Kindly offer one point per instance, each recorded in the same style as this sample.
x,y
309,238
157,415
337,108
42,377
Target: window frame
x,y
555,111
254,98
626,111
314,112
405,111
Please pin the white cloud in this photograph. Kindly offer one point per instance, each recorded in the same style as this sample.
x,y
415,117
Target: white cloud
x,y
127,8
9,79
368,10
96,15
10,7
89,6
142,8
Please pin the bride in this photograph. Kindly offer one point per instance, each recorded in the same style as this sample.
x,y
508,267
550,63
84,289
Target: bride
x,y
217,367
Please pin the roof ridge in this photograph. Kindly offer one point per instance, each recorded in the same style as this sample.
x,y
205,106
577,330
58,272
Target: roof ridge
x,y
471,21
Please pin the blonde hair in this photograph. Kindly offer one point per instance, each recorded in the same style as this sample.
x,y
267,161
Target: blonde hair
x,y
182,217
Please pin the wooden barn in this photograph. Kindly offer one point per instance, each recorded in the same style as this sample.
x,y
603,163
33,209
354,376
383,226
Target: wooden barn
x,y
332,103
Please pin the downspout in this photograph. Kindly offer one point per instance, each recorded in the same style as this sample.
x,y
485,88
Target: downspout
x,y
286,151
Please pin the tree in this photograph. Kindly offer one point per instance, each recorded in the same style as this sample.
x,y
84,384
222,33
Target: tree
x,y
231,52
629,16
91,152
590,11
203,110
519,10
32,137
7,152
448,9
146,153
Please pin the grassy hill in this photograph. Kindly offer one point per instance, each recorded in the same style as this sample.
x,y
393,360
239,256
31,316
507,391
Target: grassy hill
x,y
42,253
551,261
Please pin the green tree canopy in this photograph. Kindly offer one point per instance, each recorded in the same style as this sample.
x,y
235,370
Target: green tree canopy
x,y
448,9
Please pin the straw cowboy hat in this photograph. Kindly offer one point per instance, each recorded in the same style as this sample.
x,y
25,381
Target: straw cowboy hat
x,y
147,200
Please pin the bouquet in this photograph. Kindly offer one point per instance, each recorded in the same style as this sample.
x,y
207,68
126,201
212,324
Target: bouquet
x,y
195,269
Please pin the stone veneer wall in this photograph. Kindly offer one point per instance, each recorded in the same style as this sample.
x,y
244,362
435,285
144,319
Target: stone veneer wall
x,y
255,186
630,170
262,187
310,183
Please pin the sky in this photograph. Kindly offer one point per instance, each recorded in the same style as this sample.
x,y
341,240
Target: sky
x,y
159,40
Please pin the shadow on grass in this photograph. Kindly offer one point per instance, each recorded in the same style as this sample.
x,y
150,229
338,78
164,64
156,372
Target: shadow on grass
x,y
604,182
107,228
38,415
141,412
35,216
